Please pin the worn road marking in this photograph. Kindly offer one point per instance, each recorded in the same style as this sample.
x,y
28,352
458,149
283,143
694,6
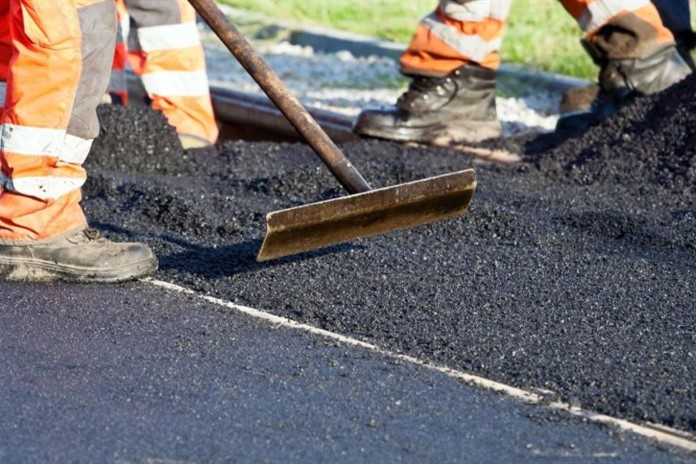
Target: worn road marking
x,y
656,432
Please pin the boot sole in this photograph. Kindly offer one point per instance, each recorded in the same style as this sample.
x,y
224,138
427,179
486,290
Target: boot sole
x,y
399,135
475,131
31,270
444,135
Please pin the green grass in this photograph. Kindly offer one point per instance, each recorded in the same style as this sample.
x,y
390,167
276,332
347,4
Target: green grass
x,y
387,19
540,34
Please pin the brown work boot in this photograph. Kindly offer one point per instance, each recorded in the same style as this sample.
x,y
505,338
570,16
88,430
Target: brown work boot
x,y
82,256
459,107
622,80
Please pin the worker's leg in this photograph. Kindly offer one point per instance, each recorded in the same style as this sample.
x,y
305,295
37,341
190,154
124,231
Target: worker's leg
x,y
635,52
61,55
170,59
5,49
620,29
118,85
456,34
41,170
452,59
676,16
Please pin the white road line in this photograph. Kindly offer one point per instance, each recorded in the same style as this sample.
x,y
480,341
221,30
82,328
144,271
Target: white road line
x,y
659,433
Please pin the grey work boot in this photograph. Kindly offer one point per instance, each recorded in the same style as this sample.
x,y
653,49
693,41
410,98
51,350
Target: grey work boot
x,y
459,107
621,80
82,256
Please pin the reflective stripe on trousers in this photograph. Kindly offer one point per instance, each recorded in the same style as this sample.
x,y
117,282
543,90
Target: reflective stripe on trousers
x,y
60,52
166,52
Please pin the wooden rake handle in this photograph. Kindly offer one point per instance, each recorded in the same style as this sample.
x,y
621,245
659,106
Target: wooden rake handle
x,y
271,84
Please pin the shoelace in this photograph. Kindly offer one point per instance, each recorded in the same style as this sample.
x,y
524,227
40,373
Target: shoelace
x,y
92,234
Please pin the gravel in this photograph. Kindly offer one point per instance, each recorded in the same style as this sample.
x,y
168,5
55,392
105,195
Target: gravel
x,y
344,83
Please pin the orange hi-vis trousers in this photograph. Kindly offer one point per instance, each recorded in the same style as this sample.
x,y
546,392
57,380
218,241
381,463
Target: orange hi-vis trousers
x,y
463,32
56,57
457,33
167,54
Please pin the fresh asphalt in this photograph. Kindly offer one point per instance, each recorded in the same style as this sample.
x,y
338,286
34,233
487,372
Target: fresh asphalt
x,y
139,374
574,274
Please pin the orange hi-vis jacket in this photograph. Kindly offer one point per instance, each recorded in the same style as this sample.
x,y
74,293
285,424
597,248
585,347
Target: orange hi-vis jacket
x,y
55,58
167,54
471,31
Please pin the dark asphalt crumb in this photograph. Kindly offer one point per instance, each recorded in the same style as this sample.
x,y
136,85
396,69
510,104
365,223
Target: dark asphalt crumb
x,y
652,141
575,273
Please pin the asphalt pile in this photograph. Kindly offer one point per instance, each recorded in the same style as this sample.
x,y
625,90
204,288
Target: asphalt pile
x,y
574,274
652,141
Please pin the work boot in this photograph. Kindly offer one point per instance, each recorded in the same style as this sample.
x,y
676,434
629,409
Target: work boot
x,y
459,107
622,80
82,256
